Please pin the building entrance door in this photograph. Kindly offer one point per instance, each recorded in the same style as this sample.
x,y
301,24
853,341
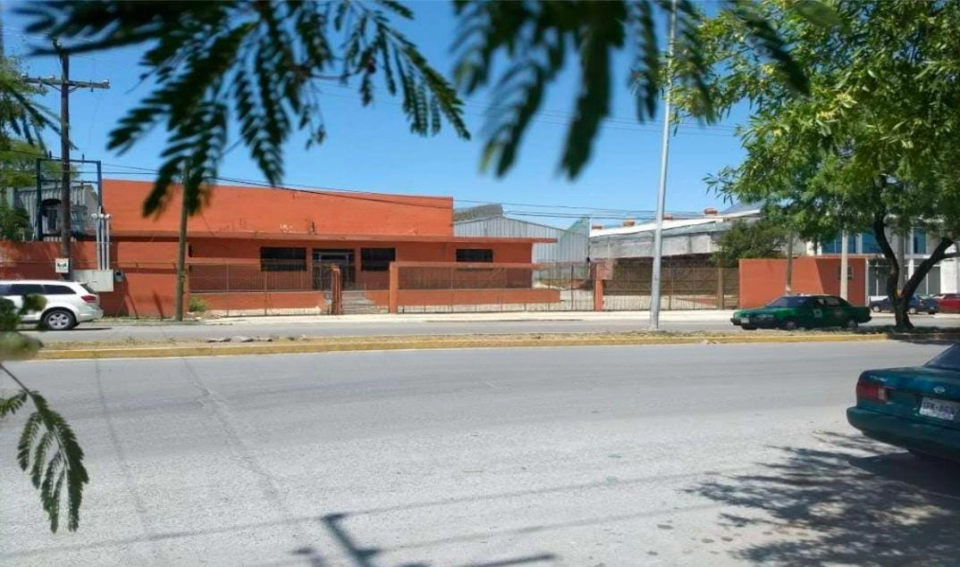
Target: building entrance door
x,y
324,259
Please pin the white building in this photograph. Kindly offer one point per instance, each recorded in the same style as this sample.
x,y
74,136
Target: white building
x,y
917,246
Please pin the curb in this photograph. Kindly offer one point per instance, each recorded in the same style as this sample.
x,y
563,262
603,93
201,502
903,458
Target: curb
x,y
434,343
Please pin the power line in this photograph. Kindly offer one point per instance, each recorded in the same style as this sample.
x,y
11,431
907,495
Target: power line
x,y
598,212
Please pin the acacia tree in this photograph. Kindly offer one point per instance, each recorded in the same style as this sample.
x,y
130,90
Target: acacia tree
x,y
873,145
264,64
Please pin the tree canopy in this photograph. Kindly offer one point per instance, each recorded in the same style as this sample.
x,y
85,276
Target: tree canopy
x,y
873,145
745,240
265,63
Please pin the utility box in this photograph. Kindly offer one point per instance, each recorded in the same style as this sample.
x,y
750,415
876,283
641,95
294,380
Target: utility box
x,y
100,281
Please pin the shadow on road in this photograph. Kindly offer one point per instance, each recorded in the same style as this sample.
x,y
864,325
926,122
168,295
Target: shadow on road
x,y
362,555
849,502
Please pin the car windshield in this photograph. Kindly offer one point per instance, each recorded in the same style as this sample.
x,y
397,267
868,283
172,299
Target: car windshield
x,y
788,301
948,359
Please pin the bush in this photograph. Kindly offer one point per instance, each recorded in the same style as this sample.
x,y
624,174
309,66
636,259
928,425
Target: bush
x,y
197,305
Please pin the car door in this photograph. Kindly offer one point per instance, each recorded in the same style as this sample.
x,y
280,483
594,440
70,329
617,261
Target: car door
x,y
818,312
18,290
834,312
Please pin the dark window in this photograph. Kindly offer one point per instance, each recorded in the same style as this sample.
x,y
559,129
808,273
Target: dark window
x,y
919,241
835,246
49,289
26,289
50,215
377,259
948,359
789,301
474,255
832,301
870,244
5,289
283,259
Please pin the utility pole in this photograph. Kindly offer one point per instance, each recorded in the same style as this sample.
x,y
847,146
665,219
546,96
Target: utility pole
x,y
662,192
181,250
788,288
66,86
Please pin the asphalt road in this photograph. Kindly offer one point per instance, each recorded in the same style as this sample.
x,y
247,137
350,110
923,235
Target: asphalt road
x,y
563,323
675,455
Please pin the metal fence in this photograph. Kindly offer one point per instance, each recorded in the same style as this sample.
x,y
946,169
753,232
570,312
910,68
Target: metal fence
x,y
561,286
685,284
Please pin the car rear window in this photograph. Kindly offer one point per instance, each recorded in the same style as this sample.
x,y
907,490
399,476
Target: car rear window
x,y
88,289
788,301
948,359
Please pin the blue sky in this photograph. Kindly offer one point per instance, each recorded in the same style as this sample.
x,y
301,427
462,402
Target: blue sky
x,y
371,149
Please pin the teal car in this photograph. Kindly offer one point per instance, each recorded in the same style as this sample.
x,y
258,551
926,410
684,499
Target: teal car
x,y
793,312
915,408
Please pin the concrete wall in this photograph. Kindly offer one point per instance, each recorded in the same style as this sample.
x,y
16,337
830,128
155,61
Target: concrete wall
x,y
762,281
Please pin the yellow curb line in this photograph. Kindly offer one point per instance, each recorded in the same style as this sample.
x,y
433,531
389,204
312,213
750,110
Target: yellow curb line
x,y
420,343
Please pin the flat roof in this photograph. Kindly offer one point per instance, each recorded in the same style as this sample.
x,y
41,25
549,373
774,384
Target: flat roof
x,y
165,234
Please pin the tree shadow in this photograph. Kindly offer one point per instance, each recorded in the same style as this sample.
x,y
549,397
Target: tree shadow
x,y
851,502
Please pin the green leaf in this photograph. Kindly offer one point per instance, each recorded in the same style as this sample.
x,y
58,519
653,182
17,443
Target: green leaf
x,y
10,406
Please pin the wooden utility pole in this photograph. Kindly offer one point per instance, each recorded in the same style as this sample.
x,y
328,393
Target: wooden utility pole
x,y
65,85
181,250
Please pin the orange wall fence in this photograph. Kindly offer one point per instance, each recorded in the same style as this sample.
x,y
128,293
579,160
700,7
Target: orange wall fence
x,y
451,283
762,281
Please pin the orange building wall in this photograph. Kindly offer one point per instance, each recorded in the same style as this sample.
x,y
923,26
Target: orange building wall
x,y
216,251
249,209
762,281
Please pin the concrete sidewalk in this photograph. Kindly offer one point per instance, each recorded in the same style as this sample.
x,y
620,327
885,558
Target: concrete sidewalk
x,y
598,316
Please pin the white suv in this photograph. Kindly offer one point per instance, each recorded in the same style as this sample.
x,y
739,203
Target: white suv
x,y
68,303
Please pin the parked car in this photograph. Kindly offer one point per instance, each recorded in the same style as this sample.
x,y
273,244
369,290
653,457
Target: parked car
x,y
68,303
916,408
917,305
948,303
802,312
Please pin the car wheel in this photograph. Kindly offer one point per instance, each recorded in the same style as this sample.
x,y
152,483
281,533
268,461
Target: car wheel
x,y
912,311
59,320
875,309
852,324
791,325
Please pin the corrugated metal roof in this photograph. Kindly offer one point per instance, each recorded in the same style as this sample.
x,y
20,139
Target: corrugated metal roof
x,y
651,226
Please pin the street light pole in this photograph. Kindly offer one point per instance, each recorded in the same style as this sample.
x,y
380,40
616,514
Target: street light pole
x,y
844,265
662,192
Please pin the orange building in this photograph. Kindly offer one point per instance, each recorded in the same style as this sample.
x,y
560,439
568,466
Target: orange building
x,y
274,250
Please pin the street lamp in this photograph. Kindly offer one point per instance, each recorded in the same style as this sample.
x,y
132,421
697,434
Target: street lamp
x,y
662,192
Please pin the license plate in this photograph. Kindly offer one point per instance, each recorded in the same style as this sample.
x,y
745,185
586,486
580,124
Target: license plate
x,y
939,409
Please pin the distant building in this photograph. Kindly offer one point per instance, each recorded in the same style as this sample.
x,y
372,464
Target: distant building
x,y
697,237
572,245
914,247
43,208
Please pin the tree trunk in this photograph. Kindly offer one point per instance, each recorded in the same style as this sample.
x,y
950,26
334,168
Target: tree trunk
x,y
901,317
900,299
